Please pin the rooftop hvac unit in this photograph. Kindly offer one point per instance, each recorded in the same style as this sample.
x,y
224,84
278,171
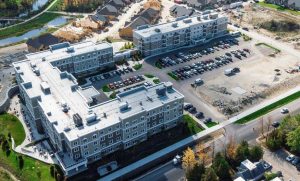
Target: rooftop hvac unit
x,y
189,20
91,117
124,106
70,49
77,120
64,107
174,25
161,91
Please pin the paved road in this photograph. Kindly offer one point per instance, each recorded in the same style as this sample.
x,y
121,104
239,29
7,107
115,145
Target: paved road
x,y
168,172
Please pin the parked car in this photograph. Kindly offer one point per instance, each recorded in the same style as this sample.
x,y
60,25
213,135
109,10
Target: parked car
x,y
276,124
284,111
207,120
187,106
176,160
296,160
192,110
199,115
290,158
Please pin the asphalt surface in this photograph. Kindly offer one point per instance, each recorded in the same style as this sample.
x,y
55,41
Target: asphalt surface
x,y
169,172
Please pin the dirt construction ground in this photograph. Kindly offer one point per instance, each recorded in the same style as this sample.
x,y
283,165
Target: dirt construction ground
x,y
254,16
260,76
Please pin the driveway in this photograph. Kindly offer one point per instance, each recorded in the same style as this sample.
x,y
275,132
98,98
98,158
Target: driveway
x,y
277,160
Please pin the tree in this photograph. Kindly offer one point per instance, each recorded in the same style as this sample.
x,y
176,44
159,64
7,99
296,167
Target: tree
x,y
242,152
293,140
196,173
201,154
188,160
210,175
275,140
231,150
289,124
221,167
52,171
21,162
256,153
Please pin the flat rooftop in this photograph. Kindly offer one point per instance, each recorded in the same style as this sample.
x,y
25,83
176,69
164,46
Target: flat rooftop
x,y
66,50
64,91
178,24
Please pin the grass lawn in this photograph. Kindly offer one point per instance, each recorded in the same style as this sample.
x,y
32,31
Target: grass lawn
x,y
33,170
269,108
21,29
267,45
150,76
11,124
137,66
279,8
158,65
106,89
113,95
192,124
156,81
246,38
211,124
173,76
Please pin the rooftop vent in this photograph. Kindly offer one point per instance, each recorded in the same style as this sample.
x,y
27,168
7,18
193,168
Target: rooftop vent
x,y
149,98
49,113
157,30
67,129
77,120
104,115
174,25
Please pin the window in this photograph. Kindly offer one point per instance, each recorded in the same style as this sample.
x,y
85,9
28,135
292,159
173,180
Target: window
x,y
96,149
84,140
111,141
95,143
118,132
110,135
77,156
85,146
86,153
127,130
142,118
75,143
76,149
94,136
102,138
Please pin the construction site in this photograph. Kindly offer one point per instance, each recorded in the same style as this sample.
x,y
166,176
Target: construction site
x,y
264,74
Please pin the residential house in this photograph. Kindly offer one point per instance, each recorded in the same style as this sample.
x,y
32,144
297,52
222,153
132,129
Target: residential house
x,y
178,11
154,4
92,22
147,16
41,42
252,171
109,11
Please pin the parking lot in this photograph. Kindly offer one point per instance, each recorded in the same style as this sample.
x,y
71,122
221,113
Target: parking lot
x,y
234,74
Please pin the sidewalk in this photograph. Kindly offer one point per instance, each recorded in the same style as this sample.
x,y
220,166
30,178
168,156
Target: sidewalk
x,y
119,173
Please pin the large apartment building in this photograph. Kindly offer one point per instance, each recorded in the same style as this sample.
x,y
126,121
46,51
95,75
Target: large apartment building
x,y
77,59
184,31
81,129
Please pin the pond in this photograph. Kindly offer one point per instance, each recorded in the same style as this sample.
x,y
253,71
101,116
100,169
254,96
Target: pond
x,y
35,32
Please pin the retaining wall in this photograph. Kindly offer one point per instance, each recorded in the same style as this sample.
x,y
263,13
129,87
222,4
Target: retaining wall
x,y
4,104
